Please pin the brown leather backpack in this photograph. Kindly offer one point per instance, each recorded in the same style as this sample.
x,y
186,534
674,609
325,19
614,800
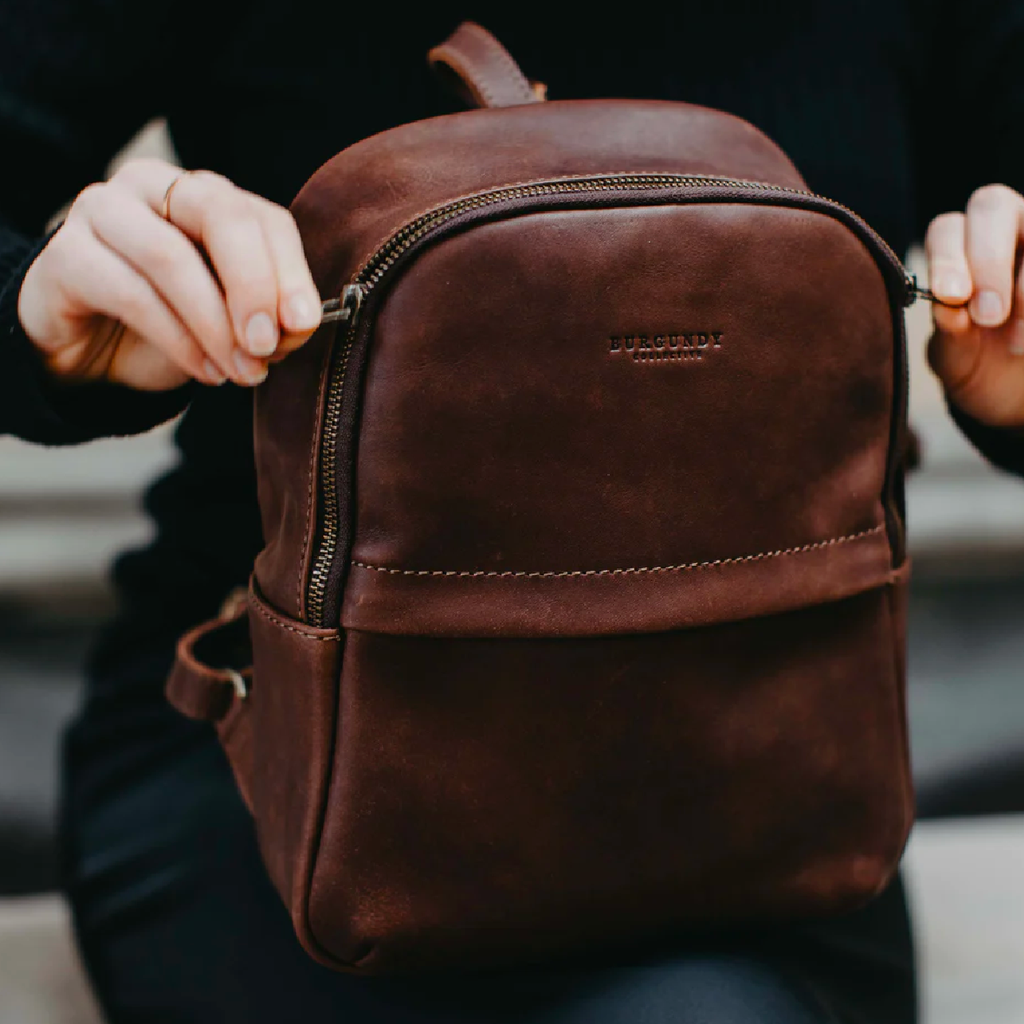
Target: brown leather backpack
x,y
580,617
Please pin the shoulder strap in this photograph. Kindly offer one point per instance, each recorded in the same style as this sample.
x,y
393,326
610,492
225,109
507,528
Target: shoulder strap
x,y
486,71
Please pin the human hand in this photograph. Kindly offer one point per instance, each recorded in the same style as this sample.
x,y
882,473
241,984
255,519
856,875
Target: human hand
x,y
977,349
213,291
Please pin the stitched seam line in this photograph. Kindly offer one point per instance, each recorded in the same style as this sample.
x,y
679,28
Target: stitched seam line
x,y
479,77
274,620
632,570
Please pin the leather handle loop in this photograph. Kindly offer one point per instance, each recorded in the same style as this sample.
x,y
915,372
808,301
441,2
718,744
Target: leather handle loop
x,y
486,71
212,668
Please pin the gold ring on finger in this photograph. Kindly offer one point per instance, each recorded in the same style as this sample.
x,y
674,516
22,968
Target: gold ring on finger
x,y
165,205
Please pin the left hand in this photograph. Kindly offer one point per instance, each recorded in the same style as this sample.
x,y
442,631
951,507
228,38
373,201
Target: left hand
x,y
977,350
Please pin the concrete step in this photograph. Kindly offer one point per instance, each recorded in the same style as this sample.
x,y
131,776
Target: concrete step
x,y
965,883
41,978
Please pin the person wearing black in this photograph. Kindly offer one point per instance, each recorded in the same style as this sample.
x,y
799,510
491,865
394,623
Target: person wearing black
x,y
906,111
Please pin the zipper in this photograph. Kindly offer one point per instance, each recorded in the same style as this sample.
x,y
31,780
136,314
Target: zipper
x,y
918,291
344,309
350,309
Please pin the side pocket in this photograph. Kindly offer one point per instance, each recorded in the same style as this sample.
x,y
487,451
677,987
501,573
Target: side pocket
x,y
292,705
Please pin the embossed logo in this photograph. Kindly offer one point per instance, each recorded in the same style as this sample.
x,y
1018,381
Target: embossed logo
x,y
664,348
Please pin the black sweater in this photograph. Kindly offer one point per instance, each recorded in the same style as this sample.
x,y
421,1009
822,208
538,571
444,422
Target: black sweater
x,y
897,108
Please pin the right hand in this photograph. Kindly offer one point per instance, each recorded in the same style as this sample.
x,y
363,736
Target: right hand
x,y
121,294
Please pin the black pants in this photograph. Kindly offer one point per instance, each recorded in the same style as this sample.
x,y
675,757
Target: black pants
x,y
177,921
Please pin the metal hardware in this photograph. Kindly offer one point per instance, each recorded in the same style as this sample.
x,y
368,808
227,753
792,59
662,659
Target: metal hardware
x,y
238,683
346,307
917,291
233,604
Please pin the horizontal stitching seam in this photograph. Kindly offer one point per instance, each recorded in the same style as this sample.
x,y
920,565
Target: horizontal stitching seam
x,y
274,620
633,570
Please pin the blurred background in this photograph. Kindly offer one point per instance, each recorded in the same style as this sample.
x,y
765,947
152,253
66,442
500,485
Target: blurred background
x,y
65,513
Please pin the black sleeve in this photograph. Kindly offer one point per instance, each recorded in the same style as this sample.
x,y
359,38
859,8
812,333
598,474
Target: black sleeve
x,y
967,101
77,79
1002,446
969,132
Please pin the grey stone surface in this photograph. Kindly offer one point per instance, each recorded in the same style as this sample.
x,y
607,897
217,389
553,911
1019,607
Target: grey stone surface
x,y
965,885
41,979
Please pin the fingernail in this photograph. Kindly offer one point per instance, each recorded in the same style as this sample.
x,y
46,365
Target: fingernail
x,y
1017,345
248,369
302,314
951,285
987,308
261,334
213,374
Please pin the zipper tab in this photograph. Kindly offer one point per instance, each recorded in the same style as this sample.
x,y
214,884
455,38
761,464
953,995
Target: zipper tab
x,y
917,291
913,288
344,308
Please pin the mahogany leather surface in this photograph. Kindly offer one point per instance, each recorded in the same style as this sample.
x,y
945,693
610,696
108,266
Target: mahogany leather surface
x,y
519,456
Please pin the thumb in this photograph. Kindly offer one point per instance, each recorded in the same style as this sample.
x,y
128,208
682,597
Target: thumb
x,y
955,348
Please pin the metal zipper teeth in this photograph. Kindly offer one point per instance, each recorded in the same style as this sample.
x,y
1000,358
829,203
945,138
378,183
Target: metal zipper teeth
x,y
328,533
381,260
384,257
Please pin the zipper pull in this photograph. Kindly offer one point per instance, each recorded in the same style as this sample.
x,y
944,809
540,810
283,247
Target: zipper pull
x,y
917,291
344,308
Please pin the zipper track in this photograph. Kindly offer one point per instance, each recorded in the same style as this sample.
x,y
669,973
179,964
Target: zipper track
x,y
380,262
